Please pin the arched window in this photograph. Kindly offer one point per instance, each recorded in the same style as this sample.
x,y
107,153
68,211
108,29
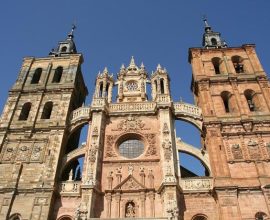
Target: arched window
x,y
238,64
57,74
101,89
199,217
156,85
162,86
65,217
226,98
216,63
214,41
15,216
25,111
253,100
47,110
36,76
260,216
64,49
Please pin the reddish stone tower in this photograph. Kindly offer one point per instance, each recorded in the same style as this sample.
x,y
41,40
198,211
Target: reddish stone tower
x,y
231,88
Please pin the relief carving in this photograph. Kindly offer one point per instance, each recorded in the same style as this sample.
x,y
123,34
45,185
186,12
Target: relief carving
x,y
167,146
23,153
36,153
237,151
248,126
151,151
254,150
110,139
9,154
165,129
131,124
95,131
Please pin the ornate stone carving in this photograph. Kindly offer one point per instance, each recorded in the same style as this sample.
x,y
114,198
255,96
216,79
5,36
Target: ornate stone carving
x,y
36,153
130,210
9,154
268,147
95,131
130,124
130,169
254,151
151,138
196,184
165,129
248,126
237,151
167,146
110,139
23,153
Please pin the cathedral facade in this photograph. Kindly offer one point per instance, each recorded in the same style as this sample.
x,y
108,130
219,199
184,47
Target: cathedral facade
x,y
131,166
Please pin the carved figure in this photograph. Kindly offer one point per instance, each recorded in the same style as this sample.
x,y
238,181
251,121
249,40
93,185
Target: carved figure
x,y
130,210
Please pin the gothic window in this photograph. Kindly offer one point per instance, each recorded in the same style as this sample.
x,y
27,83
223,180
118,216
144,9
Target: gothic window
x,y
238,64
130,211
226,97
216,63
131,148
156,85
260,216
25,111
162,86
36,76
47,110
252,100
214,41
107,89
57,74
199,217
101,89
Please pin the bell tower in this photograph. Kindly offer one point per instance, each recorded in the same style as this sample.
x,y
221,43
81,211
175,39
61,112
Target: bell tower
x,y
34,130
231,88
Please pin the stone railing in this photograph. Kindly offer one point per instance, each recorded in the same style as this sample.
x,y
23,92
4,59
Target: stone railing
x,y
132,107
163,98
70,188
98,102
196,184
187,109
80,113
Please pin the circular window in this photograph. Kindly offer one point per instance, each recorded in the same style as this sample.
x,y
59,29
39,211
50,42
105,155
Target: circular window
x,y
131,148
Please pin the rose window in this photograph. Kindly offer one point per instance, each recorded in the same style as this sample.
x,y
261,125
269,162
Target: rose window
x,y
131,148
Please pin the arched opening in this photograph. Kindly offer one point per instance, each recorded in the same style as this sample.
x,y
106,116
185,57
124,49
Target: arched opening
x,y
36,76
15,216
107,89
238,64
214,41
162,86
65,217
253,101
64,49
47,110
130,210
191,166
199,217
101,89
216,63
73,170
57,74
260,216
25,111
227,101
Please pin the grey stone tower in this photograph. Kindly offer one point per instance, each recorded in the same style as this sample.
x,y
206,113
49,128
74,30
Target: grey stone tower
x,y
34,131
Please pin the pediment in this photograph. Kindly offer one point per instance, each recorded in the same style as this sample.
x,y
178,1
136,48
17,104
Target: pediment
x,y
130,183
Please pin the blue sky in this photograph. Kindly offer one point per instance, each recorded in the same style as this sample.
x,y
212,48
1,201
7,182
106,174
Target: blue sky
x,y
109,32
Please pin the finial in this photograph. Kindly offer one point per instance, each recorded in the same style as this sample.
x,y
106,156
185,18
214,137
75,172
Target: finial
x,y
158,67
105,71
122,67
70,35
132,62
142,66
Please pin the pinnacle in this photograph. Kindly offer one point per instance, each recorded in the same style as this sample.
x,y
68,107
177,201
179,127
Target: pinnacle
x,y
132,63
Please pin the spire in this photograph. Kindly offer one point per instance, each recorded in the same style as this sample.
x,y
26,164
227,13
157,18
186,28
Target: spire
x,y
212,39
70,35
159,67
207,27
142,66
